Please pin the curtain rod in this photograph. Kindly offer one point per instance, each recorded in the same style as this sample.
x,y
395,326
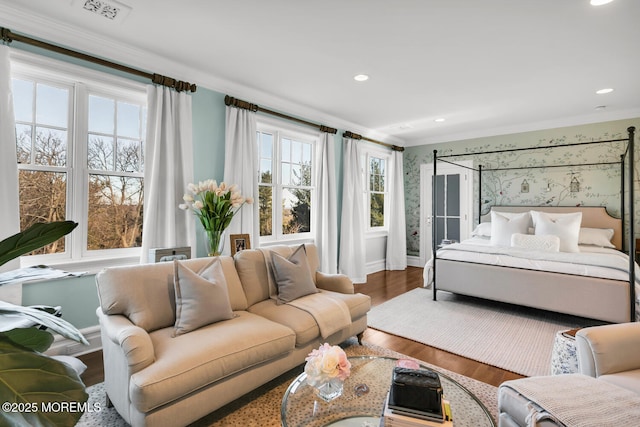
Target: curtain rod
x,y
235,102
352,135
8,36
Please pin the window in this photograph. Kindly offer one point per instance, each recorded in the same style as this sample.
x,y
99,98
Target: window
x,y
286,171
80,157
377,188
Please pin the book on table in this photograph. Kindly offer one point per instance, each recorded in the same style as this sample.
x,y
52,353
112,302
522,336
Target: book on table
x,y
394,417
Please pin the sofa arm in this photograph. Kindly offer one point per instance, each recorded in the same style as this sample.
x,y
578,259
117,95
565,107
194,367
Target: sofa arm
x,y
334,282
608,349
133,342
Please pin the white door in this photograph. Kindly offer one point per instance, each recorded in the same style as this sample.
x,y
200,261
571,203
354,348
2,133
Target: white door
x,y
454,204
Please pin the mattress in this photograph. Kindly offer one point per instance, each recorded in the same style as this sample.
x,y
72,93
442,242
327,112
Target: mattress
x,y
591,261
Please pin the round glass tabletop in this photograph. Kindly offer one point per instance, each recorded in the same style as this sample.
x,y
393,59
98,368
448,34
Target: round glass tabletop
x,y
361,406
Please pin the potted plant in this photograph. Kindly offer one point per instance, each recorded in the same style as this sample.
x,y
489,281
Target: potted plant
x,y
36,389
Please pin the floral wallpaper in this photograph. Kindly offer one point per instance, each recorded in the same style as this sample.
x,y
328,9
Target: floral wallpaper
x,y
526,178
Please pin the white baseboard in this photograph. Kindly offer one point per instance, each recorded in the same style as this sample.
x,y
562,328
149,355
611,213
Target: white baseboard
x,y
414,261
65,347
375,266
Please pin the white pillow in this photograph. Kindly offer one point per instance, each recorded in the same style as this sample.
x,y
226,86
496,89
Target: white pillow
x,y
596,236
512,215
548,243
482,230
502,227
565,226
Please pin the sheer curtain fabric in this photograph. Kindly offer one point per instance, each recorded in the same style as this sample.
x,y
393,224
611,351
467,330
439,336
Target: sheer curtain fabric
x,y
241,168
352,241
168,171
9,193
327,224
397,236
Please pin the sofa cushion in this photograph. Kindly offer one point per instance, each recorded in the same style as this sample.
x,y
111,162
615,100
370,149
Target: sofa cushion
x,y
627,379
300,321
358,304
145,293
215,352
292,275
201,298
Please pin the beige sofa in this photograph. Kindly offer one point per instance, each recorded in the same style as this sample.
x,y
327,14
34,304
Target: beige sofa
x,y
156,378
606,392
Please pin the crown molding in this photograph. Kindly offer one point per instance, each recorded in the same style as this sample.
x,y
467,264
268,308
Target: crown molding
x,y
29,23
599,117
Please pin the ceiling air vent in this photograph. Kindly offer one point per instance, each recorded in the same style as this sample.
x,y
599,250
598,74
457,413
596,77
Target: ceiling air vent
x,y
110,9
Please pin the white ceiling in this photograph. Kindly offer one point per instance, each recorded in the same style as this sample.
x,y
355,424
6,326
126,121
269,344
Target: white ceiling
x,y
487,66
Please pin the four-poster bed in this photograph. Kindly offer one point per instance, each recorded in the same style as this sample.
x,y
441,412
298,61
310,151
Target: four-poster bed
x,y
597,281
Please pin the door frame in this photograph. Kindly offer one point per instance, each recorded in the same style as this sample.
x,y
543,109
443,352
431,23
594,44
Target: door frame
x,y
466,205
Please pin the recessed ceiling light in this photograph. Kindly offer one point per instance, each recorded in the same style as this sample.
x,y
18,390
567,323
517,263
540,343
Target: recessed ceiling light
x,y
360,77
439,119
600,2
603,91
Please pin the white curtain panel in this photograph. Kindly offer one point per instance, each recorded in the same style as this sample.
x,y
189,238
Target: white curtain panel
x,y
241,168
327,223
397,237
9,195
168,169
352,242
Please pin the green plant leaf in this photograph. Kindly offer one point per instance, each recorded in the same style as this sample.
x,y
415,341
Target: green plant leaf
x,y
34,237
56,324
31,338
42,385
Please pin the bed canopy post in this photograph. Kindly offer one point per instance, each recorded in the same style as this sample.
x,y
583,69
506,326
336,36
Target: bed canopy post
x,y
434,243
632,237
479,194
622,199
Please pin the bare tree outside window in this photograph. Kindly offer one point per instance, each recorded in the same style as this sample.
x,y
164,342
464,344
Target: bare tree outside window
x,y
112,168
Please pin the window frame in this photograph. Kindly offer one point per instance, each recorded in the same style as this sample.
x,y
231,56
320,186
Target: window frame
x,y
370,152
82,82
281,130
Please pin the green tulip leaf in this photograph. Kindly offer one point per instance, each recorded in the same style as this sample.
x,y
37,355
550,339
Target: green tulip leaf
x,y
34,237
31,338
49,392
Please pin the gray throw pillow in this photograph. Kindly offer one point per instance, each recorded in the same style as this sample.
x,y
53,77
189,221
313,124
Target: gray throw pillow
x,y
201,298
292,275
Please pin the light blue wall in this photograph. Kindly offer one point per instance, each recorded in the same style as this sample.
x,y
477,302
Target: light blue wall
x,y
78,296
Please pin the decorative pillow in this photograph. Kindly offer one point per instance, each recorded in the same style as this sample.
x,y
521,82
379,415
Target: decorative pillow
x,y
512,215
482,230
565,226
201,298
596,237
548,243
502,227
292,275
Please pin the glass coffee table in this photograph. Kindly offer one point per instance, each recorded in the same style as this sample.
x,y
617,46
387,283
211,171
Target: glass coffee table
x,y
355,408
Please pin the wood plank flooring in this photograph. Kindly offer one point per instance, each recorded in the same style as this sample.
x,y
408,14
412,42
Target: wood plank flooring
x,y
381,287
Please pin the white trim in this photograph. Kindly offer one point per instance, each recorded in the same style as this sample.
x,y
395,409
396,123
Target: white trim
x,y
586,119
65,347
426,171
414,261
375,266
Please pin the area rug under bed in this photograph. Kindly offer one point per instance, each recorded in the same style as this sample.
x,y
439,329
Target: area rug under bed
x,y
514,338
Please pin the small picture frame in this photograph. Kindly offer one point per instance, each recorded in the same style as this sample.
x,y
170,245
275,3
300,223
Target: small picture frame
x,y
239,242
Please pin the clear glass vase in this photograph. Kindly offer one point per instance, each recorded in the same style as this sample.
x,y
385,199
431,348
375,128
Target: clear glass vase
x,y
330,389
214,242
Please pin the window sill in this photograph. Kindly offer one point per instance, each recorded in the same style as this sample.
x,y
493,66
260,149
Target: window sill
x,y
376,234
87,266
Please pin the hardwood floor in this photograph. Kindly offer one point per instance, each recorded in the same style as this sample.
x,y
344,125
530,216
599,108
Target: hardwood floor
x,y
381,287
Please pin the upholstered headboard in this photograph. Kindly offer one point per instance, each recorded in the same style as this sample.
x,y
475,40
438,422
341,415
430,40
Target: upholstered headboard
x,y
592,217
